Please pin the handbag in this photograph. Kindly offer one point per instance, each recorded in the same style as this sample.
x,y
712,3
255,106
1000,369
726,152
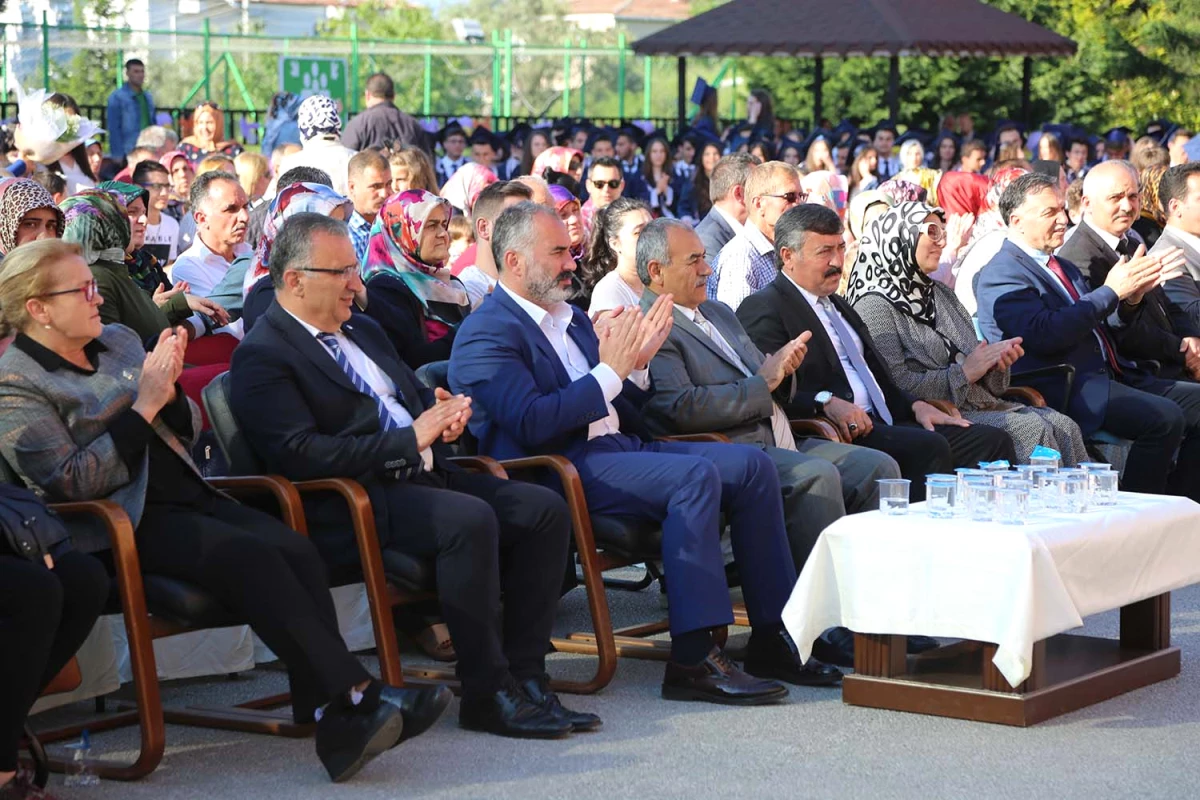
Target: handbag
x,y
29,527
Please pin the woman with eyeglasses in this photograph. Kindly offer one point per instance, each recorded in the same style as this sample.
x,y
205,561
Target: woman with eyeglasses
x,y
208,135
89,414
927,336
410,290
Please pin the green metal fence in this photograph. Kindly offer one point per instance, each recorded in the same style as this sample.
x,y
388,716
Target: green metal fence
x,y
503,77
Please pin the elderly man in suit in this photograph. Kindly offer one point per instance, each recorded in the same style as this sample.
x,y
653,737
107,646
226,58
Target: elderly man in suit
x,y
545,380
727,189
843,376
322,393
1112,202
1026,291
1179,193
709,376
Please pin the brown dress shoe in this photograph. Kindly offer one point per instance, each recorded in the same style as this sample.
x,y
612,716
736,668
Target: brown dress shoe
x,y
719,680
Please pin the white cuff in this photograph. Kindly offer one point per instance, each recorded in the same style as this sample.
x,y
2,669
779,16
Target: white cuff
x,y
610,383
641,378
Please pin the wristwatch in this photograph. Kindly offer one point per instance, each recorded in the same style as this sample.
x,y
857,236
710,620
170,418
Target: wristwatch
x,y
823,397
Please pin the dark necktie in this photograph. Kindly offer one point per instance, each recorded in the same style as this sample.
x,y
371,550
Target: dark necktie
x,y
1107,345
1123,248
385,417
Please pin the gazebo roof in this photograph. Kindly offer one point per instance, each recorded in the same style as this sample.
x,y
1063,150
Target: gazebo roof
x,y
855,28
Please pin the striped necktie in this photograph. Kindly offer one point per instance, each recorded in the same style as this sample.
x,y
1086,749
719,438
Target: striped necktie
x,y
386,422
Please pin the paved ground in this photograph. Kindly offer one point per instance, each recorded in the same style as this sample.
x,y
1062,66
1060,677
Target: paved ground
x,y
1142,744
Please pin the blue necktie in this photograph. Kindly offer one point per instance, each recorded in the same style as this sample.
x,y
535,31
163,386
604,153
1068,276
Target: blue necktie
x,y
857,360
385,417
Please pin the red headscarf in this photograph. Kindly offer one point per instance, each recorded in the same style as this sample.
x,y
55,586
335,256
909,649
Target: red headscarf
x,y
963,193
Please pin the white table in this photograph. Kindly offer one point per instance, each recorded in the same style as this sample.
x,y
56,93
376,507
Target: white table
x,y
1009,592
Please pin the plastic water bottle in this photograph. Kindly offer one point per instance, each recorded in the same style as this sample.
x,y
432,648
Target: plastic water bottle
x,y
79,772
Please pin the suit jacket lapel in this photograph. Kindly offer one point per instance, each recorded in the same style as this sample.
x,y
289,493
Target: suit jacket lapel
x,y
584,337
308,345
749,356
536,335
796,303
1041,275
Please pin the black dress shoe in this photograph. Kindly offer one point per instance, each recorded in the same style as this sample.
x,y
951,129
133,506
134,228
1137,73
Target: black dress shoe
x,y
718,680
509,712
922,644
420,705
835,646
776,656
350,736
538,692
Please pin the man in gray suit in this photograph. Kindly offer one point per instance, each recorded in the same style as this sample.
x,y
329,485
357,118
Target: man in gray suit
x,y
709,376
1179,194
727,190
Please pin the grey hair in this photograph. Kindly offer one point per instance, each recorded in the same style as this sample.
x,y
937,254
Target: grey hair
x,y
293,244
200,186
1022,186
155,136
909,146
730,172
654,244
514,229
798,221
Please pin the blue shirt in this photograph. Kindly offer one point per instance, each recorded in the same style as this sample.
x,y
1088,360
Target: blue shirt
x,y
360,234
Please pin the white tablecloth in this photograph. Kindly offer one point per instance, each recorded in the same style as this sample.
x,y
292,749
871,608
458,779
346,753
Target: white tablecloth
x,y
1008,585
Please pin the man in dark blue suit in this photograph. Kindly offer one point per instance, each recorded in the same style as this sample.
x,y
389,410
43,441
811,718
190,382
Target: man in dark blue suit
x,y
1025,291
322,393
543,380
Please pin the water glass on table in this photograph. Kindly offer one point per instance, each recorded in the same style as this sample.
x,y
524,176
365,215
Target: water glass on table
x,y
1103,484
941,495
893,496
1012,502
981,497
1051,462
1075,491
963,474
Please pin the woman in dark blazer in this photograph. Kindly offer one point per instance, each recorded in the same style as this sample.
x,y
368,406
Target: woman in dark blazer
x,y
410,291
86,413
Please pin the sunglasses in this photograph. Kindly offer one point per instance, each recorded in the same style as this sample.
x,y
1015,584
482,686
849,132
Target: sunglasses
x,y
89,291
936,230
613,184
791,198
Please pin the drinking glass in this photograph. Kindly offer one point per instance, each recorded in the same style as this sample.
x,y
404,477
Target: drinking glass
x,y
1074,493
981,498
1012,503
1104,488
940,495
893,496
1049,490
963,474
1044,461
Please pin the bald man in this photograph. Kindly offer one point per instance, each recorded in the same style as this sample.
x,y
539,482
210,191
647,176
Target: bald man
x,y
1111,204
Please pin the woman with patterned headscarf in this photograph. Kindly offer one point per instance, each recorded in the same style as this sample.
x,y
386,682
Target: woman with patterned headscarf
x,y
927,336
566,160
987,236
827,189
410,291
320,142
27,213
464,186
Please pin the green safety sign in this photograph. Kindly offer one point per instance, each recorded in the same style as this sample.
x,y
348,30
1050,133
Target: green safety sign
x,y
303,75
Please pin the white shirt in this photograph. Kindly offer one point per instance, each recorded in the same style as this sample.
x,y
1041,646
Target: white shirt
x,y
327,155
978,257
376,378
862,398
477,283
554,325
612,291
162,239
202,268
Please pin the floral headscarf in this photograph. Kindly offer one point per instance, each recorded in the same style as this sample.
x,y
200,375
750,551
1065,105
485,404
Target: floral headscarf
x,y
556,158
963,193
827,189
125,193
19,196
313,197
903,191
924,177
990,220
96,221
143,267
466,183
887,263
394,249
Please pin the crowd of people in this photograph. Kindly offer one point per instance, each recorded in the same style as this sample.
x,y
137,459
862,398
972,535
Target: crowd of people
x,y
591,293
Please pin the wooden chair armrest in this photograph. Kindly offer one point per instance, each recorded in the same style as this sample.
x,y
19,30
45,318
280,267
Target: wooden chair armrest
x,y
362,519
1026,395
480,464
697,437
945,406
291,512
819,427
572,487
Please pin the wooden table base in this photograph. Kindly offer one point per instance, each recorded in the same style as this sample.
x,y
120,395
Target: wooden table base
x,y
1069,672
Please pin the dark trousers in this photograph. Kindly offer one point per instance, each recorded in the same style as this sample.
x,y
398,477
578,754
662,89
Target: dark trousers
x,y
266,574
490,538
44,617
920,452
686,486
1160,428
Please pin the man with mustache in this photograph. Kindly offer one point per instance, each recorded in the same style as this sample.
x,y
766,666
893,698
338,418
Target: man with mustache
x,y
1111,204
222,213
1026,291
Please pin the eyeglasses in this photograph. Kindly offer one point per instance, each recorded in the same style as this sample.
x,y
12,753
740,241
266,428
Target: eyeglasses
x,y
791,198
345,272
613,184
89,291
936,230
